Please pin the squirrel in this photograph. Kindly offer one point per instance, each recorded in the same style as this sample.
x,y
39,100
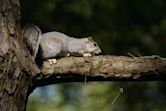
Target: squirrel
x,y
56,44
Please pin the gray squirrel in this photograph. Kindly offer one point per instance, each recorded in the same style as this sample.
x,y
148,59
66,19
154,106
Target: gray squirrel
x,y
56,44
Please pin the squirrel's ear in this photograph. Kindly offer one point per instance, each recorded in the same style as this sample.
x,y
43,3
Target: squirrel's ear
x,y
88,39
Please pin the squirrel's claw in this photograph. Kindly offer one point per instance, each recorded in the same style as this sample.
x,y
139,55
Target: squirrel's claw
x,y
87,55
52,61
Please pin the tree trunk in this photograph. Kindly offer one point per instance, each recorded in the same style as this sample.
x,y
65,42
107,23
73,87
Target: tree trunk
x,y
15,61
19,75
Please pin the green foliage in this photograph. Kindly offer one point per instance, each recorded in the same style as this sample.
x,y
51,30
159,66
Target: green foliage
x,y
135,26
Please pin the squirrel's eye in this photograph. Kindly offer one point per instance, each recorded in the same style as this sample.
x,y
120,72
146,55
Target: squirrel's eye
x,y
95,44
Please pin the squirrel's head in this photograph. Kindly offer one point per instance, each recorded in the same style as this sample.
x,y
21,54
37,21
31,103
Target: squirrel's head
x,y
91,46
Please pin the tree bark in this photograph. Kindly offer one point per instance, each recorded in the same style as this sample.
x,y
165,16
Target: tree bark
x,y
102,68
16,65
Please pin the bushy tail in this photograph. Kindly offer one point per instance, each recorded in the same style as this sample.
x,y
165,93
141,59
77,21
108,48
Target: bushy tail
x,y
31,36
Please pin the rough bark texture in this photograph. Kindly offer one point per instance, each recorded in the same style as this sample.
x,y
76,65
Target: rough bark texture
x,y
13,84
16,66
102,68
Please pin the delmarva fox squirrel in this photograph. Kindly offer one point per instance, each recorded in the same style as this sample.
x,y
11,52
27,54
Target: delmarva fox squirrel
x,y
55,44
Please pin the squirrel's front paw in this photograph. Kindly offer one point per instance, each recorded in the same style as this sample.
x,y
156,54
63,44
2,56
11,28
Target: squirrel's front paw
x,y
87,55
52,61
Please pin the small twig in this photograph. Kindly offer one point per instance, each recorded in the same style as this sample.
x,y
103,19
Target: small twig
x,y
140,59
135,57
116,97
85,81
138,54
156,72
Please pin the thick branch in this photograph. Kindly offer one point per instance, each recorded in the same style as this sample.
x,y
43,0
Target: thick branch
x,y
70,69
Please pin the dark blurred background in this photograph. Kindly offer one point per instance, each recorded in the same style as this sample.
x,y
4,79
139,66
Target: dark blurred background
x,y
119,27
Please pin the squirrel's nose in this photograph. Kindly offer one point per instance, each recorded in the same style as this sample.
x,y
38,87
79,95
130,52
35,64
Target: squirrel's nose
x,y
98,51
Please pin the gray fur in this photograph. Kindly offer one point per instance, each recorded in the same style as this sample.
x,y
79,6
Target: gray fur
x,y
31,36
53,44
48,47
76,47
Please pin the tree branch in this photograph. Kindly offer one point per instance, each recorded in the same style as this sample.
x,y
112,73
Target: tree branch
x,y
102,68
